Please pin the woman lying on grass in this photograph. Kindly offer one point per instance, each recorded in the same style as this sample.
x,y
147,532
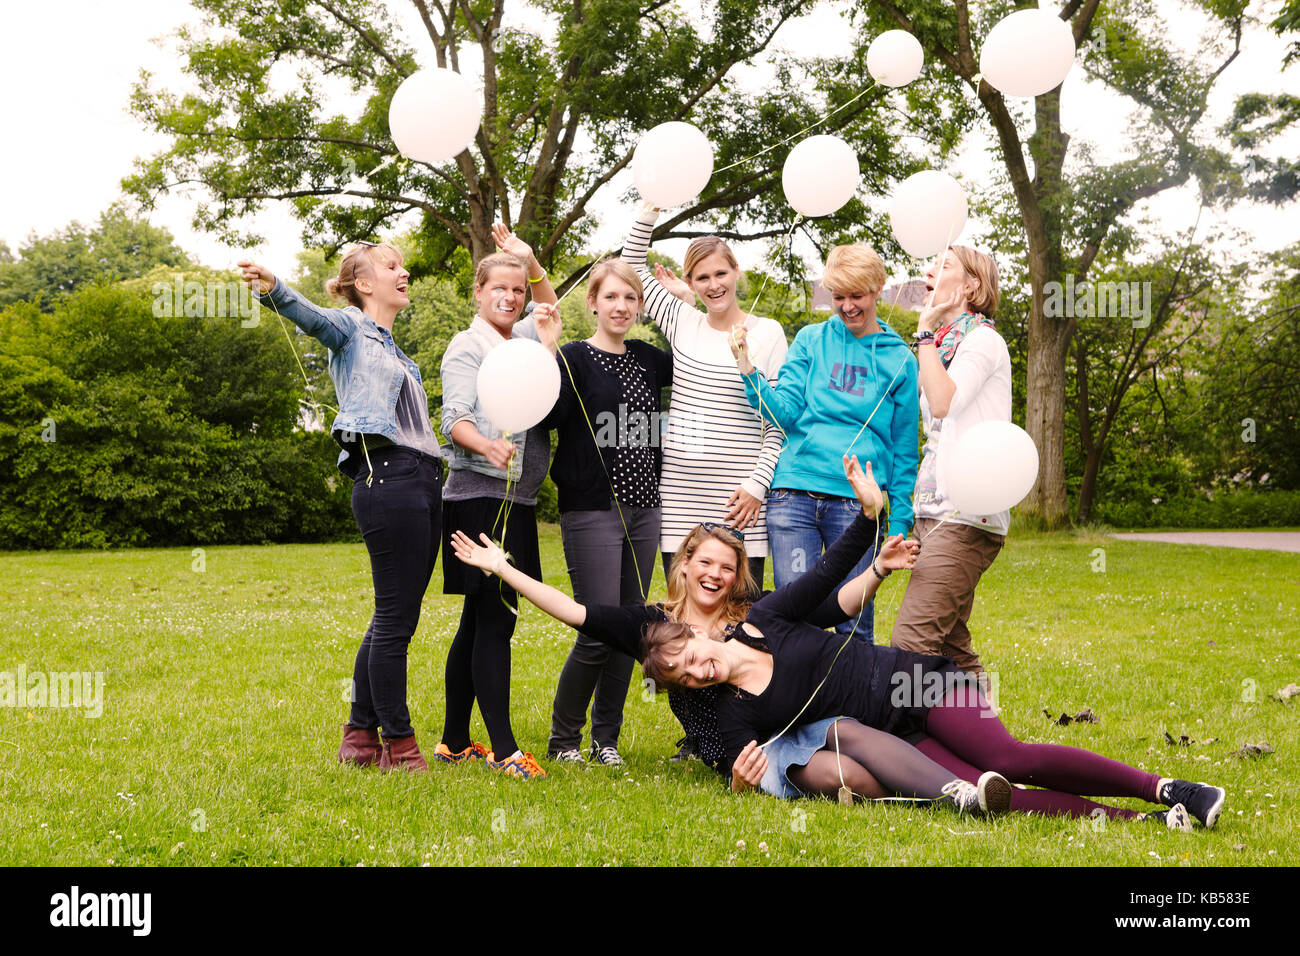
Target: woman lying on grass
x,y
854,749
782,669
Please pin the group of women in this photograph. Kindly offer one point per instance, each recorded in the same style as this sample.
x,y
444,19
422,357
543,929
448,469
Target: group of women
x,y
760,455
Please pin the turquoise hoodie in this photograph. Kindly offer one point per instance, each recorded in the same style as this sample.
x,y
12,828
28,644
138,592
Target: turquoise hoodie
x,y
830,383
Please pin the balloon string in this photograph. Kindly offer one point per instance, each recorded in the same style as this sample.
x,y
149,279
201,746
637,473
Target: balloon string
x,y
503,516
794,136
883,395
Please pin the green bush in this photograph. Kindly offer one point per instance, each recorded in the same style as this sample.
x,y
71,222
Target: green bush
x,y
1242,509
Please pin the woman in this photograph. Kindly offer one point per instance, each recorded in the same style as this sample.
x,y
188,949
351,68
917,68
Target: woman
x,y
709,585
783,669
965,376
848,386
390,452
718,455
606,470
491,488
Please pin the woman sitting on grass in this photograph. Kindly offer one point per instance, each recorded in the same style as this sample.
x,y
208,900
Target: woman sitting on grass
x,y
782,669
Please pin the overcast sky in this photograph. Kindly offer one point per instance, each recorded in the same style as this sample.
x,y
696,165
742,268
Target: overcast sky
x,y
69,66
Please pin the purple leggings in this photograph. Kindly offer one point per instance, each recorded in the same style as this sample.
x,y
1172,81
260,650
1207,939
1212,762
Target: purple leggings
x,y
966,735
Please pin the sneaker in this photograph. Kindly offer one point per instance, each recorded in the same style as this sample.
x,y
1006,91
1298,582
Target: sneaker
x,y
686,751
472,752
519,764
1200,799
606,756
569,756
994,792
963,795
1175,818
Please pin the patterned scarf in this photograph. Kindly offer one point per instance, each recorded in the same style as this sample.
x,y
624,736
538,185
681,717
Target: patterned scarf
x,y
948,337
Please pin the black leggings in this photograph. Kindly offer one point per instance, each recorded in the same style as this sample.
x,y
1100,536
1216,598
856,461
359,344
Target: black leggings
x,y
478,667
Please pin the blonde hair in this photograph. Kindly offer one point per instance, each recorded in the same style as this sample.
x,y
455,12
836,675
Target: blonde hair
x,y
743,590
984,271
497,260
854,268
702,248
358,262
617,268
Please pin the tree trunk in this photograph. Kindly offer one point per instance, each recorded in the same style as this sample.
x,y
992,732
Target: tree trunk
x,y
1088,490
1049,339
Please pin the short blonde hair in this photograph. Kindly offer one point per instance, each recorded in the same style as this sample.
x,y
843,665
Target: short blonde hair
x,y
854,268
617,268
983,270
358,262
497,260
702,248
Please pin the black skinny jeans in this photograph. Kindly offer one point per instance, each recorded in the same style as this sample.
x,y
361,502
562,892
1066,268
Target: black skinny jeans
x,y
400,518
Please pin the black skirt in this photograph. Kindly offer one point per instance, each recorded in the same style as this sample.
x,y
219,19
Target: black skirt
x,y
474,516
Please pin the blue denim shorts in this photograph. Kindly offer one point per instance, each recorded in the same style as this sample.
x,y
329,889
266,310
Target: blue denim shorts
x,y
794,748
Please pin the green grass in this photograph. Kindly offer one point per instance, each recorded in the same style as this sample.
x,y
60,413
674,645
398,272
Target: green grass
x,y
225,692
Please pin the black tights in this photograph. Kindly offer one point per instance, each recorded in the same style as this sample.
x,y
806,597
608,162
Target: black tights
x,y
478,667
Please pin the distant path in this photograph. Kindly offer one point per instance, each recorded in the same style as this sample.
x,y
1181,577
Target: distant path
x,y
1262,540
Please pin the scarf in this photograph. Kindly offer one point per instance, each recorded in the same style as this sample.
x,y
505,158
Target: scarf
x,y
948,337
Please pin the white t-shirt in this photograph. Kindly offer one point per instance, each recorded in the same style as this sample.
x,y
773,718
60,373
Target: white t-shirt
x,y
981,370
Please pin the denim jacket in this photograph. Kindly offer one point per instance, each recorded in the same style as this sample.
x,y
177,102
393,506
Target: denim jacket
x,y
460,365
367,367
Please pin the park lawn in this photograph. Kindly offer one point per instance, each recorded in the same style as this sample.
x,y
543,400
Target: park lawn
x,y
226,680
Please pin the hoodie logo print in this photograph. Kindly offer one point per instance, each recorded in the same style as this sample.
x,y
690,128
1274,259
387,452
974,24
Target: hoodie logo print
x,y
848,378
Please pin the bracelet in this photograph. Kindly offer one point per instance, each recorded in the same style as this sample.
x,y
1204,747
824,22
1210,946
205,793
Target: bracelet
x,y
538,279
921,338
877,573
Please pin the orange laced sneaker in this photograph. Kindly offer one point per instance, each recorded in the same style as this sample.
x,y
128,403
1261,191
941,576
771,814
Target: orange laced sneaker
x,y
472,752
524,766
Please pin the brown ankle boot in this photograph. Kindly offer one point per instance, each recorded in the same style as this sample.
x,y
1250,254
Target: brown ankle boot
x,y
401,753
361,747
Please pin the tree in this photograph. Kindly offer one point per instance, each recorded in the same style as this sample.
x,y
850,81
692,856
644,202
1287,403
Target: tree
x,y
1069,212
564,102
118,247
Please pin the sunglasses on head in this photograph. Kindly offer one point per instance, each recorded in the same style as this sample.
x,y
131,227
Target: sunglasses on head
x,y
715,526
367,243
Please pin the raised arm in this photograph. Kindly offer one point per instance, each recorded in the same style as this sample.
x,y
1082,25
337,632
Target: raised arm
x,y
784,401
331,327
662,306
803,596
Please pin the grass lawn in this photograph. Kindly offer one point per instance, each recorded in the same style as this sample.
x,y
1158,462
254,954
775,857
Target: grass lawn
x,y
225,689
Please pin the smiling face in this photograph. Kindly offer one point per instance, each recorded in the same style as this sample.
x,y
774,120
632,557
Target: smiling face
x,y
501,297
857,308
616,304
382,282
709,575
700,663
714,280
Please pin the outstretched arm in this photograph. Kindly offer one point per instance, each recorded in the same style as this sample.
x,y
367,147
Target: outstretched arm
x,y
492,560
331,327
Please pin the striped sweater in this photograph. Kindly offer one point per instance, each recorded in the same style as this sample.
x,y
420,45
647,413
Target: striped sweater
x,y
715,442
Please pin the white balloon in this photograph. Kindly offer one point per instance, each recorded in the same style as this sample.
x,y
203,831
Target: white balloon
x,y
927,212
820,175
1027,53
434,115
895,58
518,384
990,469
672,164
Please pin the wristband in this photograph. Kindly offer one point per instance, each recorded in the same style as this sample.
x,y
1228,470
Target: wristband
x,y
538,279
876,571
921,338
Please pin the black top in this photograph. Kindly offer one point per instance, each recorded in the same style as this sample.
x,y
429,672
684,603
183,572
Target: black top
x,y
621,396
621,627
883,687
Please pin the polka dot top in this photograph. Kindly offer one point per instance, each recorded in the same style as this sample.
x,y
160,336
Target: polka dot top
x,y
632,470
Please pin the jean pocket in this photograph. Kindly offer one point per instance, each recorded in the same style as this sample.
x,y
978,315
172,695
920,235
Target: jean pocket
x,y
394,467
779,495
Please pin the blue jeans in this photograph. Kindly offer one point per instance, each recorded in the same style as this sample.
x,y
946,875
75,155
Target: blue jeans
x,y
799,528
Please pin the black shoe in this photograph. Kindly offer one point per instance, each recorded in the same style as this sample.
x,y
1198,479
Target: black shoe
x,y
686,752
1175,818
1201,800
606,756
